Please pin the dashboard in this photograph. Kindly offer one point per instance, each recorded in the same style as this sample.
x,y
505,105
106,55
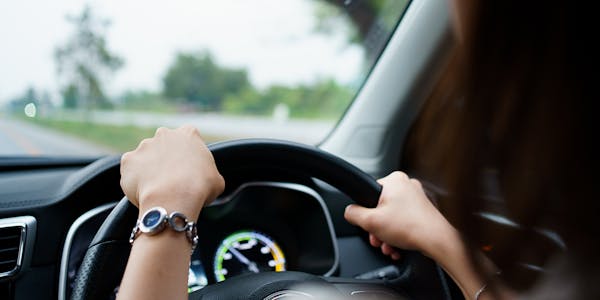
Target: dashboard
x,y
268,223
261,226
296,220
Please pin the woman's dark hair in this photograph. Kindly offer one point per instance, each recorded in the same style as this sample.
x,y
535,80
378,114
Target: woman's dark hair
x,y
512,118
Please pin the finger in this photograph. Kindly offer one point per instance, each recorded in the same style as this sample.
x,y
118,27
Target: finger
x,y
387,249
396,255
160,131
129,189
384,179
393,176
125,157
218,190
143,144
190,129
398,175
416,183
375,242
358,215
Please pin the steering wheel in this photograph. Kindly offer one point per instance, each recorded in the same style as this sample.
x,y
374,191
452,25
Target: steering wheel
x,y
242,161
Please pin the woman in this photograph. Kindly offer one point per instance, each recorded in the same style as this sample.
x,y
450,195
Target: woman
x,y
514,101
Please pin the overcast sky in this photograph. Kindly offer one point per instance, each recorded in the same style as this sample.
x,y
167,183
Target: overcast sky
x,y
274,39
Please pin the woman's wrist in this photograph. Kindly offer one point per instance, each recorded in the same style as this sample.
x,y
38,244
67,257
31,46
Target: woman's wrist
x,y
155,220
451,253
167,238
186,203
445,240
166,257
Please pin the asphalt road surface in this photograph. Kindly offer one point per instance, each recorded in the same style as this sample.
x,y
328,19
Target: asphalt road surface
x,y
217,125
18,138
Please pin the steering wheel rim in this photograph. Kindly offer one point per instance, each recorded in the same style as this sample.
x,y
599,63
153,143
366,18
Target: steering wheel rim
x,y
109,250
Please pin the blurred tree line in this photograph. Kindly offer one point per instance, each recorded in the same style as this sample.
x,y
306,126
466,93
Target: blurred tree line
x,y
196,82
199,80
193,82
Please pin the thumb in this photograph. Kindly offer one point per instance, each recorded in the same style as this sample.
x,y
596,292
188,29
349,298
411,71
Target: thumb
x,y
358,215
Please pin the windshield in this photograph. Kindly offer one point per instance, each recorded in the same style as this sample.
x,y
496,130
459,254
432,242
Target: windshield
x,y
91,78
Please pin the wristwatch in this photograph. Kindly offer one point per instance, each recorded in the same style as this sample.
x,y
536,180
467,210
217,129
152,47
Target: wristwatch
x,y
153,221
156,219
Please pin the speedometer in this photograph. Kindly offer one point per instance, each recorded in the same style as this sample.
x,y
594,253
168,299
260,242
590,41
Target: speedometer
x,y
247,252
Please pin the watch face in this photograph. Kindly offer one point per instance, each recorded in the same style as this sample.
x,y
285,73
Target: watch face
x,y
152,218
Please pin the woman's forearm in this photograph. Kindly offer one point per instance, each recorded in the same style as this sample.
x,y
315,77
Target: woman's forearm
x,y
158,267
452,255
158,264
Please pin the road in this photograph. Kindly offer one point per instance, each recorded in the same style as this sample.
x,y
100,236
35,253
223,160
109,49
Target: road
x,y
18,138
22,138
303,131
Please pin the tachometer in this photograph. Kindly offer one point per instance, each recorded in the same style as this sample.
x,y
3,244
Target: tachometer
x,y
247,252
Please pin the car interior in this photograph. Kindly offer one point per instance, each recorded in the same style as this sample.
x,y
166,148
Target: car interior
x,y
65,224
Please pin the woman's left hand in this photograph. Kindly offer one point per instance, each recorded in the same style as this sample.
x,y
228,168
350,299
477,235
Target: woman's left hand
x,y
174,169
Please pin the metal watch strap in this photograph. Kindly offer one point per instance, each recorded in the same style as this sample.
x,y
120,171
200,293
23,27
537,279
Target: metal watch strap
x,y
174,221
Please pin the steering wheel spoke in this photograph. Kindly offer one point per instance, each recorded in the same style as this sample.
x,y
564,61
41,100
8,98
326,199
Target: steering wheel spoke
x,y
295,285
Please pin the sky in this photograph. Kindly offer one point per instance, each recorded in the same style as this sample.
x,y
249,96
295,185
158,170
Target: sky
x,y
275,40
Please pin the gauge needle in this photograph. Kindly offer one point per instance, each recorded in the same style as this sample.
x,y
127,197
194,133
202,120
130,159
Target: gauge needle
x,y
251,265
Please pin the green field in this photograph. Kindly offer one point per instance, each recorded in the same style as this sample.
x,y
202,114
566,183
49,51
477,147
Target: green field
x,y
115,137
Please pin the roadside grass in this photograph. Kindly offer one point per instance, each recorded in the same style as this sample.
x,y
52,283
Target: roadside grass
x,y
116,137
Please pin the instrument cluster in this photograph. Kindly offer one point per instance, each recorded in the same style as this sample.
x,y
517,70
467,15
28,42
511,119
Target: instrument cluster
x,y
260,227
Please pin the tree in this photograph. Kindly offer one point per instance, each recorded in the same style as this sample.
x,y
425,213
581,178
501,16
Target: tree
x,y
196,79
85,62
323,99
248,101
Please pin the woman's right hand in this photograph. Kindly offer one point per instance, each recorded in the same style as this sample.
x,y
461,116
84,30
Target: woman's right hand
x,y
404,218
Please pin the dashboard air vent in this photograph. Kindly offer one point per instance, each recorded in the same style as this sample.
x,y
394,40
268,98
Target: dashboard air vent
x,y
16,242
11,250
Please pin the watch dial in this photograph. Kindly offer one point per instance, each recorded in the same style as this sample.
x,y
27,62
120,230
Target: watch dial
x,y
151,218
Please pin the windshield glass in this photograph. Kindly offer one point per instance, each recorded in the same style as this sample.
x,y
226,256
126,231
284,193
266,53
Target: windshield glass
x,y
96,77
